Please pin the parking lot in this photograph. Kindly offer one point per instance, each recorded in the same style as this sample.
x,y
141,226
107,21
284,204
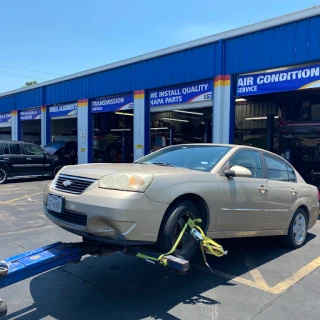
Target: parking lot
x,y
258,279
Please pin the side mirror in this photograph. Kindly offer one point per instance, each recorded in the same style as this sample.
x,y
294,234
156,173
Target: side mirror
x,y
238,171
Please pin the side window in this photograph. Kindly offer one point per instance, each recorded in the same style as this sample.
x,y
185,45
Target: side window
x,y
291,173
6,149
15,148
277,169
249,159
32,150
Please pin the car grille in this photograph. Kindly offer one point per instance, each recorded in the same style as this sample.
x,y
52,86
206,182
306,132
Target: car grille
x,y
71,184
69,216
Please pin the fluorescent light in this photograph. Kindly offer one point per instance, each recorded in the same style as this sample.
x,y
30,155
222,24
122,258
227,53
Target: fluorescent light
x,y
163,128
120,129
125,114
189,112
171,119
241,100
260,118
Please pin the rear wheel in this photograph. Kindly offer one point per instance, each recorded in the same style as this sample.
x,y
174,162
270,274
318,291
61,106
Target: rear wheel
x,y
3,175
298,229
172,225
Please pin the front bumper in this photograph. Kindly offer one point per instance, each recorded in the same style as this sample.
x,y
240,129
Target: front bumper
x,y
113,216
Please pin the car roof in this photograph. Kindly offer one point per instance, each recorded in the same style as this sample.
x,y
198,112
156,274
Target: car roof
x,y
17,141
233,146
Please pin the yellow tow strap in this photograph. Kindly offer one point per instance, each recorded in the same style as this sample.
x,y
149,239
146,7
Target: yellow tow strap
x,y
207,245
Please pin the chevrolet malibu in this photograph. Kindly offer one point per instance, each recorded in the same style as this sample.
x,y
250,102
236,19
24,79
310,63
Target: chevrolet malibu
x,y
237,191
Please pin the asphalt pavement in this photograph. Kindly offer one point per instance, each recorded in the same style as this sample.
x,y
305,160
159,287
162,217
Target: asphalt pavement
x,y
258,279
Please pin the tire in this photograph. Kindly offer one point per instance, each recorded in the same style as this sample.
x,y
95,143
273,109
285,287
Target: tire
x,y
171,227
55,170
3,175
298,229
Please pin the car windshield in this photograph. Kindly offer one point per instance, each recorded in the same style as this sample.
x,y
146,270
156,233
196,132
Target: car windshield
x,y
195,157
53,146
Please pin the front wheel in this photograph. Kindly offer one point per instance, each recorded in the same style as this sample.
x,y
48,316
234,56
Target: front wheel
x,y
56,170
173,223
3,175
297,232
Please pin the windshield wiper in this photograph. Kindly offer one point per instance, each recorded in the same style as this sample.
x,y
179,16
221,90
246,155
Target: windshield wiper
x,y
155,163
162,164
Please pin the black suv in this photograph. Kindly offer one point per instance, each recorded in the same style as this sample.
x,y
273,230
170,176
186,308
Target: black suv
x,y
19,158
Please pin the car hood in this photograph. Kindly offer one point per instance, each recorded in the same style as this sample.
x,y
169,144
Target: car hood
x,y
96,171
50,150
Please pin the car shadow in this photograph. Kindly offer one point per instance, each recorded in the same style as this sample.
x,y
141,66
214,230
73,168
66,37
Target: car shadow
x,y
113,293
123,287
28,179
261,250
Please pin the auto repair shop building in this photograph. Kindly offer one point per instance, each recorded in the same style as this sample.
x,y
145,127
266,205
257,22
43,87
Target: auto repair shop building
x,y
256,85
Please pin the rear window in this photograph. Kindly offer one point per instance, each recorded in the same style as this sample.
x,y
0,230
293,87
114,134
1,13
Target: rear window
x,y
6,149
15,148
277,169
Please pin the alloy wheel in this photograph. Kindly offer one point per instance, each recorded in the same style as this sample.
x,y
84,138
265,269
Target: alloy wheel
x,y
299,228
3,175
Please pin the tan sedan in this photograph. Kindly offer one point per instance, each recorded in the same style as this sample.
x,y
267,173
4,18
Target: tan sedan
x,y
238,191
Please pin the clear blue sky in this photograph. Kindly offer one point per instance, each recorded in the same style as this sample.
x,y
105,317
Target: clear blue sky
x,y
67,36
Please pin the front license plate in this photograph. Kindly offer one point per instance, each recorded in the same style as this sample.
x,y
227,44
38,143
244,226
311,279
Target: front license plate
x,y
55,203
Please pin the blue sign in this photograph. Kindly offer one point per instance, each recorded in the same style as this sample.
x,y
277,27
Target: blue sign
x,y
31,114
188,93
115,103
307,77
5,117
63,110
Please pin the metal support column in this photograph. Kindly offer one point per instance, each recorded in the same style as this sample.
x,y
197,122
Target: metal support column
x,y
16,125
84,133
141,124
270,127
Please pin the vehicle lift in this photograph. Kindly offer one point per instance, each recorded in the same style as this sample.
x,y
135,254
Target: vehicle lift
x,y
32,263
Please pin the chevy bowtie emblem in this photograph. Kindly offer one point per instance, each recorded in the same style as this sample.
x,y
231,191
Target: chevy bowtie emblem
x,y
67,183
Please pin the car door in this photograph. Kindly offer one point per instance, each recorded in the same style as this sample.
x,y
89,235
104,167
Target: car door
x,y
283,192
34,159
12,154
243,201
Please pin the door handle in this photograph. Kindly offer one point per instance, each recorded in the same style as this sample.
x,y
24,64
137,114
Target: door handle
x,y
293,191
263,189
6,158
28,158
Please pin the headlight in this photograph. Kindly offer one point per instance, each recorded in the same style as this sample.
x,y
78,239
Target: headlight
x,y
126,182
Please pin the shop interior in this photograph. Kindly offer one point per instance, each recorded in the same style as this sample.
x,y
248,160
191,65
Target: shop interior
x,y
5,132
64,129
180,126
113,136
31,131
294,133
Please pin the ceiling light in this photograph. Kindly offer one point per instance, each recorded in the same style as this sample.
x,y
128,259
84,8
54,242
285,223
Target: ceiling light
x,y
120,129
171,119
163,128
189,112
125,114
241,100
260,118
